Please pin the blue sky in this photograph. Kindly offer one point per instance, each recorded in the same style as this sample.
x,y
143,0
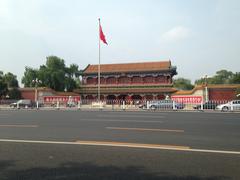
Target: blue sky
x,y
199,37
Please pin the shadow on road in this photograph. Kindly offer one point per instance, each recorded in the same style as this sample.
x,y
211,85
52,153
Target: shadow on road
x,y
88,171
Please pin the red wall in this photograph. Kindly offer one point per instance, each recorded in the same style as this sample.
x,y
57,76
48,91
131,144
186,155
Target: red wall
x,y
28,95
222,94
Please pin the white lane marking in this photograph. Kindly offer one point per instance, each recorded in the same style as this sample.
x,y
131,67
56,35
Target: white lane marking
x,y
129,145
121,120
138,112
146,129
131,116
5,114
18,126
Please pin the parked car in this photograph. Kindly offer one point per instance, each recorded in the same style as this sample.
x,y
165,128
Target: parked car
x,y
22,103
143,105
207,105
232,105
71,104
165,104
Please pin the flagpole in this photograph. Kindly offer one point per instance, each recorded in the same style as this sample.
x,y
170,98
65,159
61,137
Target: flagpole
x,y
99,60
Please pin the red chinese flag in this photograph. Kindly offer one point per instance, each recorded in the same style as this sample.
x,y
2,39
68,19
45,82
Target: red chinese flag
x,y
101,35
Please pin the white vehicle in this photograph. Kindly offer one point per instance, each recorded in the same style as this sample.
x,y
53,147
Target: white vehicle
x,y
230,106
22,103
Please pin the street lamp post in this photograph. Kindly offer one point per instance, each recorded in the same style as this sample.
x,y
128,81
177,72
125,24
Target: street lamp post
x,y
36,82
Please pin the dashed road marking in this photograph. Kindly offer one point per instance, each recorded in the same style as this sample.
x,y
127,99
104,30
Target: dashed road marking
x,y
18,126
131,116
122,120
146,129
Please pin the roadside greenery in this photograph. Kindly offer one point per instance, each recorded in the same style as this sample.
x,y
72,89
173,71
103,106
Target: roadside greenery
x,y
54,74
9,86
182,84
221,77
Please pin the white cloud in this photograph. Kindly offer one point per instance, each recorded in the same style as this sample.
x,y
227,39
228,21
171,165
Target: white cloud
x,y
176,34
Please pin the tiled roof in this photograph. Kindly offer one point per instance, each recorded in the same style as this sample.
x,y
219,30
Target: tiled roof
x,y
129,67
223,86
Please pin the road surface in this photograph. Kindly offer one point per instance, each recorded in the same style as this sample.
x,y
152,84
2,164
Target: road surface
x,y
119,145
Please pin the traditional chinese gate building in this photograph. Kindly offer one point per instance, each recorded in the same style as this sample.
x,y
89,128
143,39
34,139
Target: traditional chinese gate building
x,y
130,81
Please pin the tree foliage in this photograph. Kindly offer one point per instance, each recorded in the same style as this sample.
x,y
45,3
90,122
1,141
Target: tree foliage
x,y
236,78
29,75
8,82
11,80
182,84
3,85
54,74
14,93
221,77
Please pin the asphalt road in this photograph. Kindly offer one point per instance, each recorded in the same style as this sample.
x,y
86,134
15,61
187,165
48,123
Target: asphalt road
x,y
119,145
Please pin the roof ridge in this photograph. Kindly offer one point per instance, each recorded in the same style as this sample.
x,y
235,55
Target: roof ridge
x,y
146,62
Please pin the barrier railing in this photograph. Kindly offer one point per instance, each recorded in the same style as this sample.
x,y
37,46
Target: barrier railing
x,y
137,105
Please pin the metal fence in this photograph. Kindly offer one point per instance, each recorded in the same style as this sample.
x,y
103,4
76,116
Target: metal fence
x,y
162,105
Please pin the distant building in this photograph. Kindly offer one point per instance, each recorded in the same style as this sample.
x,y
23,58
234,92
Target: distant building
x,y
129,81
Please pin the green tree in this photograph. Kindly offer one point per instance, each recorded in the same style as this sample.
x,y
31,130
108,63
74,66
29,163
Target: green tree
x,y
14,93
72,77
3,89
29,75
55,63
203,81
73,71
3,86
1,75
55,68
11,80
182,84
236,78
8,85
54,75
44,75
221,77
